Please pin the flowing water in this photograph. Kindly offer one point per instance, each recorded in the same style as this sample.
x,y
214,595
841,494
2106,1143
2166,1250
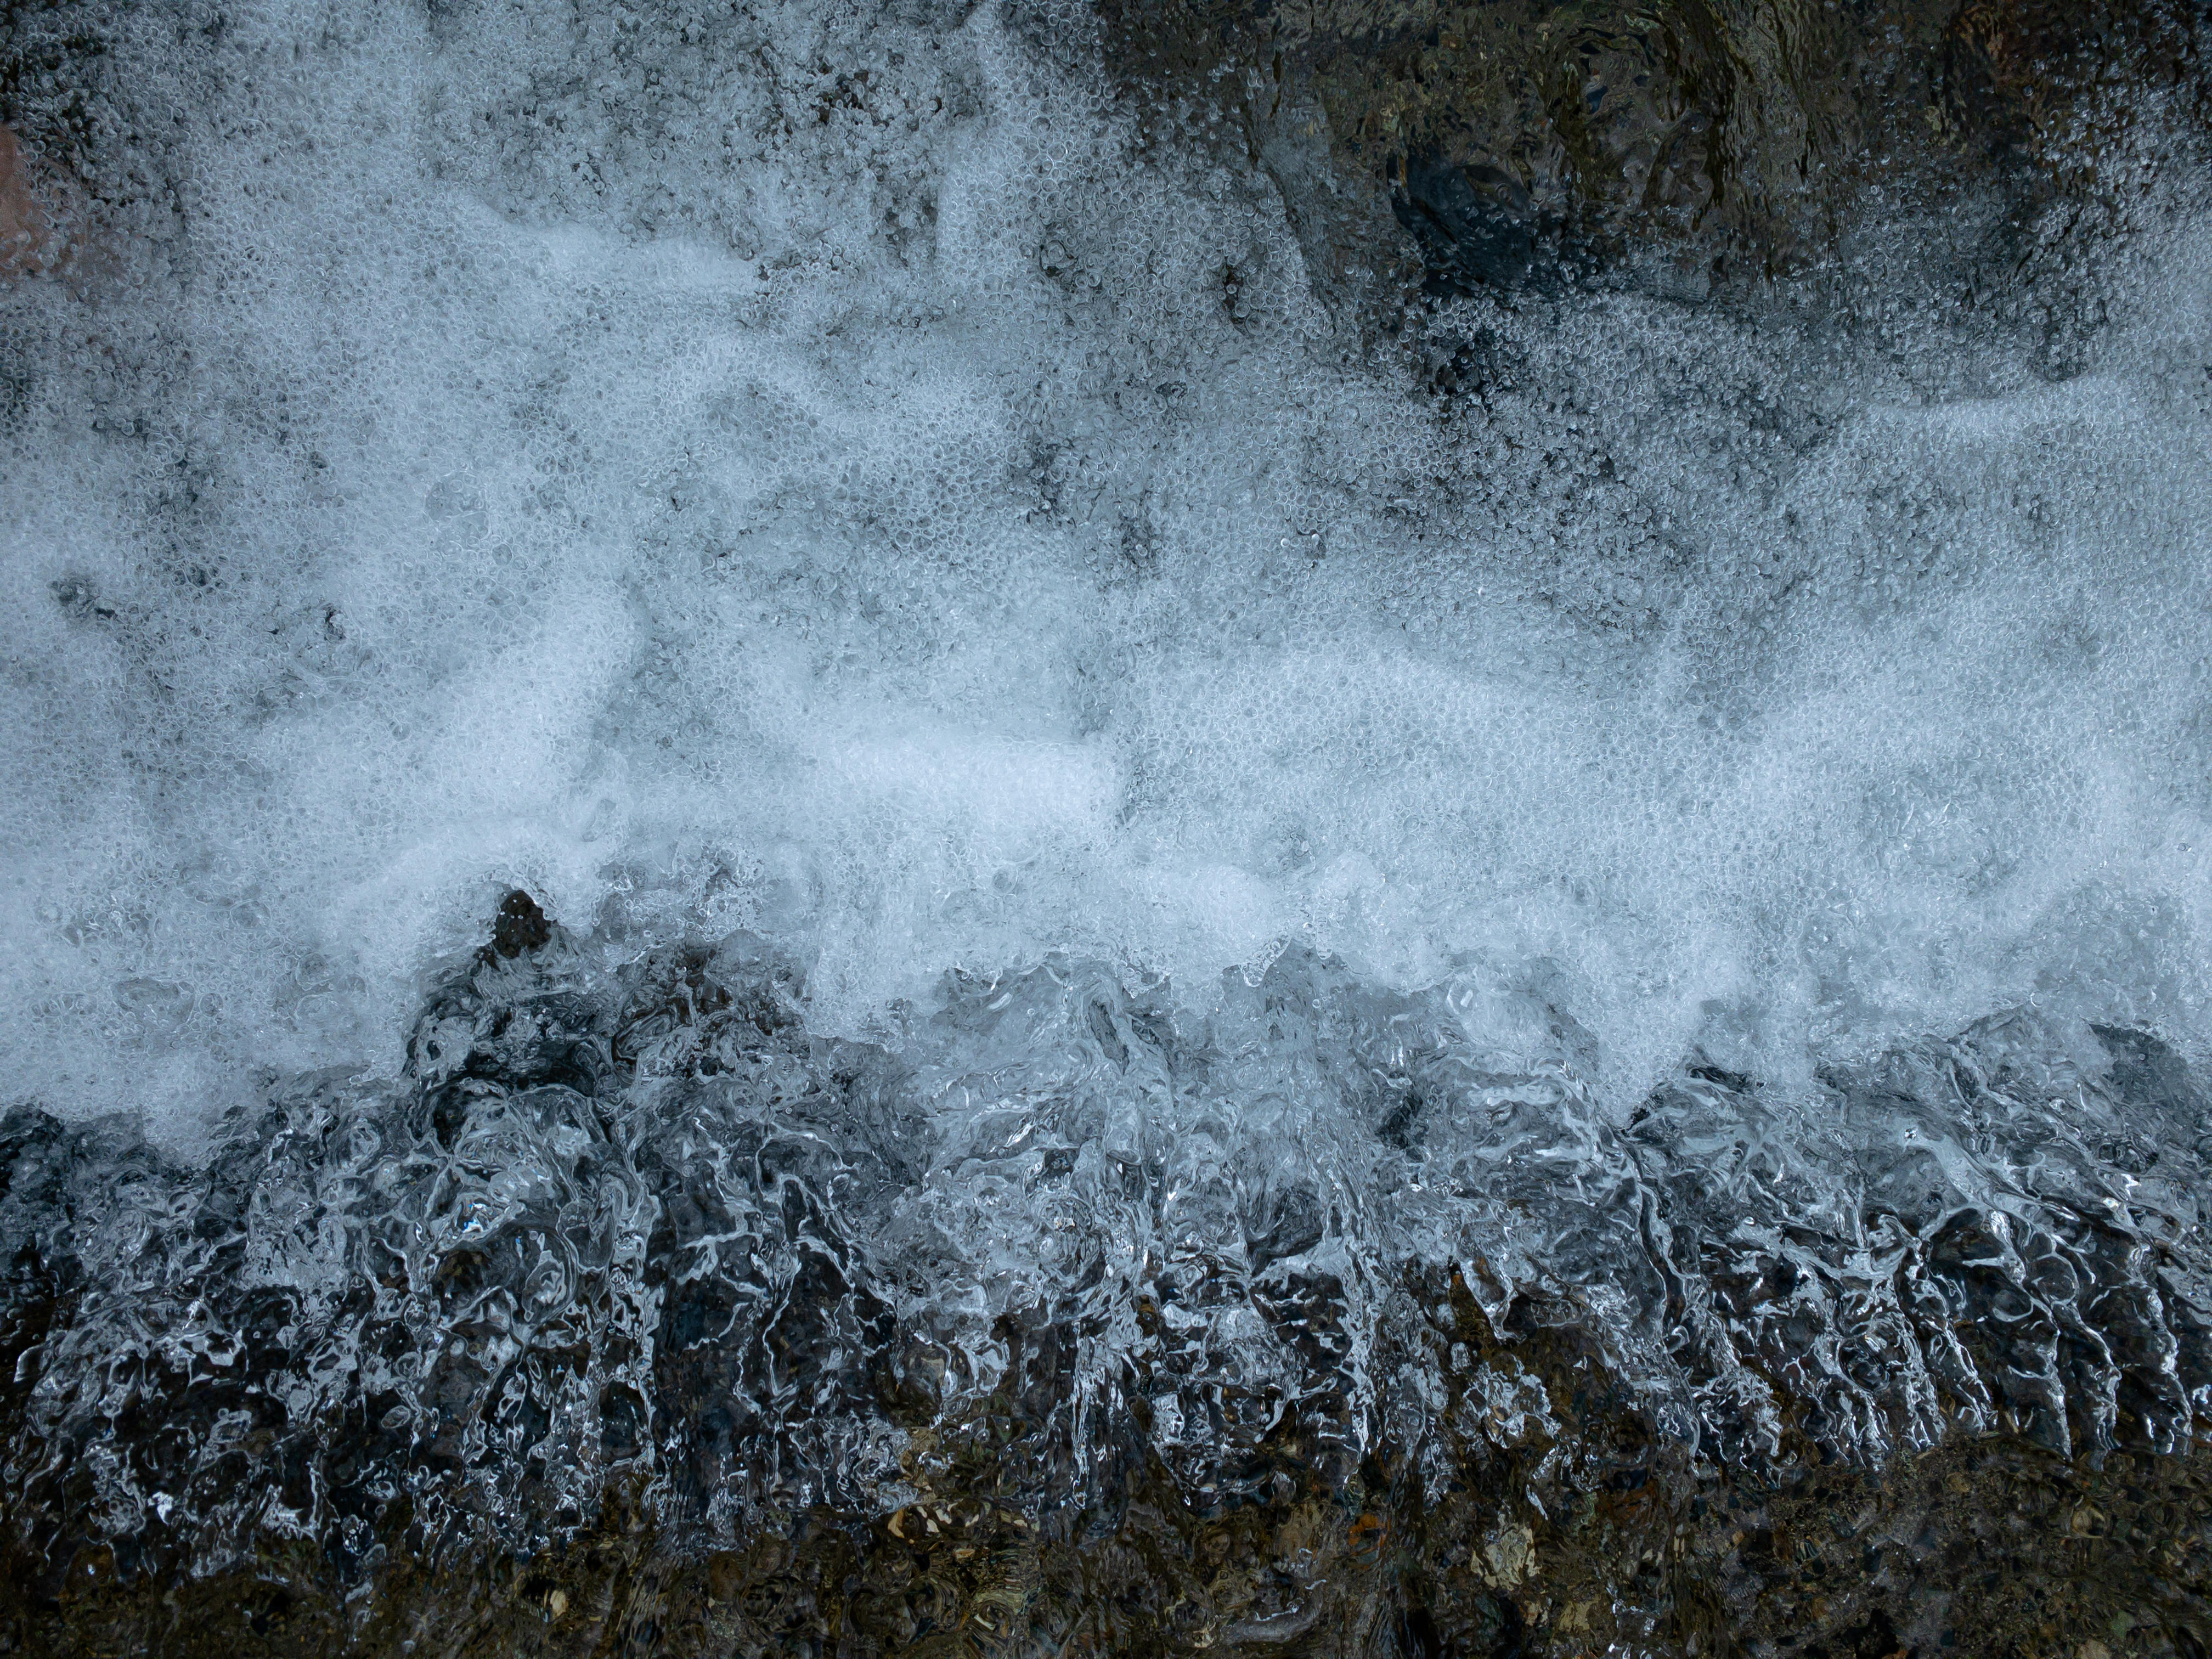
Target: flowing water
x,y
921,828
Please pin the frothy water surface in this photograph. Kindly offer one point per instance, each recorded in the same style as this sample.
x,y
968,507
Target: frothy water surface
x,y
864,516
1102,805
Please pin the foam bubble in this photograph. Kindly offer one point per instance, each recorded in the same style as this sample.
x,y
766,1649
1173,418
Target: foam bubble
x,y
833,479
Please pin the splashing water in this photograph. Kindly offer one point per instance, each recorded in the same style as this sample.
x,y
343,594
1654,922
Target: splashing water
x,y
1165,882
641,1226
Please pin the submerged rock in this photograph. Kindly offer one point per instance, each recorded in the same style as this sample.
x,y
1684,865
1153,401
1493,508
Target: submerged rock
x,y
641,1318
1534,146
34,238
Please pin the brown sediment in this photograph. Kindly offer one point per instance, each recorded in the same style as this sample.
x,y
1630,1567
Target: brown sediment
x,y
33,239
1988,1547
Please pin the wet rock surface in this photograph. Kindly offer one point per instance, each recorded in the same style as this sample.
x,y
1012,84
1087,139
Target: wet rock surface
x,y
1693,148
35,233
637,1318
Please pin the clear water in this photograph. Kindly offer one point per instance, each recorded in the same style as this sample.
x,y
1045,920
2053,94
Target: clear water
x,y
750,1265
1167,821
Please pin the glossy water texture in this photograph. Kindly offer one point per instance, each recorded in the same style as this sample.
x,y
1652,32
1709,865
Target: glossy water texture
x,y
636,1233
1329,828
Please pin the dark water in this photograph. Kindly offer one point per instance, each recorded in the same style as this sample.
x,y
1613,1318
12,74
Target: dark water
x,y
1379,1325
989,831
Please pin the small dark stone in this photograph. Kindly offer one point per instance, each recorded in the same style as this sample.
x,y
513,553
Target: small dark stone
x,y
521,925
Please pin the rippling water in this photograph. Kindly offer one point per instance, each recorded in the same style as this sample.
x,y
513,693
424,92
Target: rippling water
x,y
1285,843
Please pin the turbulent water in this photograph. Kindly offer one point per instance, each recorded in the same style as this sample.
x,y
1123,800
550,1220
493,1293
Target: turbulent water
x,y
1175,824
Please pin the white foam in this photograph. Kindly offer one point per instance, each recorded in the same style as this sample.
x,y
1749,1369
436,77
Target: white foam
x,y
877,528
